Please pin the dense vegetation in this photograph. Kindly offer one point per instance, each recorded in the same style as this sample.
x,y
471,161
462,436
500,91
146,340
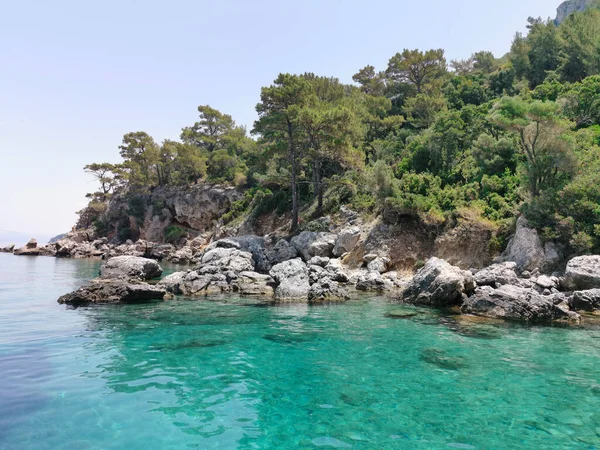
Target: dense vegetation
x,y
424,138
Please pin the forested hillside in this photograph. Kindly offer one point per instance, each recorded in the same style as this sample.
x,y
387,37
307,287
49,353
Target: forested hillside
x,y
423,138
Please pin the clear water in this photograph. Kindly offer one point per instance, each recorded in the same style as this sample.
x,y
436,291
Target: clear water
x,y
230,374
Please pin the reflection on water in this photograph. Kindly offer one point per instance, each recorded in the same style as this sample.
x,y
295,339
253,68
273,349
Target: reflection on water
x,y
218,374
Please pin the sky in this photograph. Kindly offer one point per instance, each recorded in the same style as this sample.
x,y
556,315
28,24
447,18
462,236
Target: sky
x,y
75,76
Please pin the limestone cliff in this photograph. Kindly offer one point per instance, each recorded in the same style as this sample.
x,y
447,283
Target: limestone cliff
x,y
571,6
197,209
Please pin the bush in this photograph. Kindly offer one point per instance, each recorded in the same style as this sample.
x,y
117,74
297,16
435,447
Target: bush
x,y
174,233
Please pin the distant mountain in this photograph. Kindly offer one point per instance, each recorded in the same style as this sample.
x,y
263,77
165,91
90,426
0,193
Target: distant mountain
x,y
571,6
56,238
19,238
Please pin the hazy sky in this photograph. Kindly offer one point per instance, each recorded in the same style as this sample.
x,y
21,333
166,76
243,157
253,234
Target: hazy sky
x,y
76,75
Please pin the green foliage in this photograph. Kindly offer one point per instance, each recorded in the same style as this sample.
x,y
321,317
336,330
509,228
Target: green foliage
x,y
493,136
174,233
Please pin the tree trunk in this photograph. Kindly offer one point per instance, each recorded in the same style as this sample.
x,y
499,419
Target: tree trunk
x,y
318,186
294,164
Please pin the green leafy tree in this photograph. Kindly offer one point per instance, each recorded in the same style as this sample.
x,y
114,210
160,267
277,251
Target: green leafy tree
x,y
278,125
417,68
541,135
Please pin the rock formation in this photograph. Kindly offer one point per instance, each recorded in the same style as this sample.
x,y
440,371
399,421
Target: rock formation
x,y
569,7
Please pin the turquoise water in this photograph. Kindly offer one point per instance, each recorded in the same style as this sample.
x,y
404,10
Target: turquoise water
x,y
232,374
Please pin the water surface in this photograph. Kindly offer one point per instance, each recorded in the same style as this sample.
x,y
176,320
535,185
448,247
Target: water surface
x,y
232,374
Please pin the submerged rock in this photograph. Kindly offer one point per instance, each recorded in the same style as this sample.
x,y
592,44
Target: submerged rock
x,y
438,284
131,267
113,291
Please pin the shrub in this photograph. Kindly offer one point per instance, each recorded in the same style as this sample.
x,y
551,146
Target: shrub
x,y
174,233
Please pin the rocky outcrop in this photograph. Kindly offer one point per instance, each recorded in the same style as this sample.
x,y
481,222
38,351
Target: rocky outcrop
x,y
292,280
582,272
113,291
516,303
131,267
31,248
526,249
8,249
569,7
438,283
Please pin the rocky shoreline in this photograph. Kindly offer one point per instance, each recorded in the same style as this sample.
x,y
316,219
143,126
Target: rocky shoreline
x,y
327,266
305,270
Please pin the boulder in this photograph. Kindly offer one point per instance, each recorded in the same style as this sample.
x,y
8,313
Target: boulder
x,y
517,303
292,280
312,243
174,283
8,249
582,272
282,251
318,261
525,248
228,259
113,291
255,245
379,264
130,267
497,275
346,240
585,300
438,283
545,282
253,283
